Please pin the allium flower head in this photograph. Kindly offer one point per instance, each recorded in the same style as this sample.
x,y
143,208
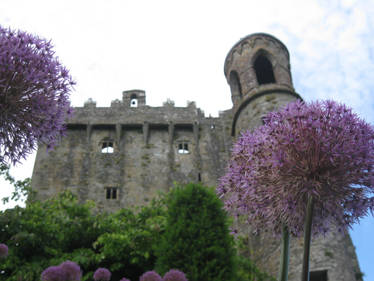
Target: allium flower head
x,y
150,276
102,274
71,270
34,94
3,250
53,273
174,275
124,279
320,149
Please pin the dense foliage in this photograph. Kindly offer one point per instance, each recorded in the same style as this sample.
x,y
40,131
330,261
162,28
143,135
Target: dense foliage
x,y
46,236
196,238
34,94
48,233
319,150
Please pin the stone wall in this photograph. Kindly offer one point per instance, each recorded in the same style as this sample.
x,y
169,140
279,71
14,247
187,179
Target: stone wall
x,y
148,153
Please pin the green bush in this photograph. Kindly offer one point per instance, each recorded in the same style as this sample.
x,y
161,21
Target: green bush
x,y
191,236
59,229
196,238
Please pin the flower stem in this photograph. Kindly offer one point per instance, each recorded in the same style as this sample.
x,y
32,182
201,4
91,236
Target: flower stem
x,y
283,269
307,239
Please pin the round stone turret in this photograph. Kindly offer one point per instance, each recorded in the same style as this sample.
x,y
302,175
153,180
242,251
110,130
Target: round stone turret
x,y
257,69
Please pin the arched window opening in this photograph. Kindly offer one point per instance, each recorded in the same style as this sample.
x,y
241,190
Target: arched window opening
x,y
236,89
264,70
183,147
133,101
107,146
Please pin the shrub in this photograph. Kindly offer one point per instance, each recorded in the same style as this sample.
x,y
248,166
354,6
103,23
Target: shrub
x,y
196,238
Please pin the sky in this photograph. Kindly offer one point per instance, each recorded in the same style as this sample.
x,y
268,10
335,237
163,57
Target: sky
x,y
176,50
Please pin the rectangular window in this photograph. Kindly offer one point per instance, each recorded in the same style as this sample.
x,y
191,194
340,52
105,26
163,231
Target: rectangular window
x,y
183,147
111,192
318,275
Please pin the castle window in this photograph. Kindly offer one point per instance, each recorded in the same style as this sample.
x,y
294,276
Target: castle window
x,y
236,89
264,70
183,147
320,275
107,146
111,192
133,101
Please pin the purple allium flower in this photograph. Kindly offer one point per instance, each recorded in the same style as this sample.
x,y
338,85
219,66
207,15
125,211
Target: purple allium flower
x,y
124,279
71,270
321,150
53,273
102,274
3,250
174,275
34,94
150,276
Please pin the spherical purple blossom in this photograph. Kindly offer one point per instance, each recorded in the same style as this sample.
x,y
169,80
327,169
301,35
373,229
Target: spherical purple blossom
x,y
174,275
150,276
53,273
3,250
71,270
102,274
34,94
320,149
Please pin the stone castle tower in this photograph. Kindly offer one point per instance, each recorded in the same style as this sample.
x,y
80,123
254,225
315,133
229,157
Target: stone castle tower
x,y
122,155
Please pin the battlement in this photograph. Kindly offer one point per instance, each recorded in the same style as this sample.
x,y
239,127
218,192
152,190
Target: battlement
x,y
121,112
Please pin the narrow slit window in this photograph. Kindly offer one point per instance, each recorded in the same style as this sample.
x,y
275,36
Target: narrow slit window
x,y
107,147
108,193
111,193
183,148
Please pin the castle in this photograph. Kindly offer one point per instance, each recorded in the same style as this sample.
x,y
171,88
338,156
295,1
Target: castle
x,y
120,156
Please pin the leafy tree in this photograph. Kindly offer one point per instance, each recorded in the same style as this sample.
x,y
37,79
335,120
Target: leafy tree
x,y
34,94
196,238
128,245
308,161
45,234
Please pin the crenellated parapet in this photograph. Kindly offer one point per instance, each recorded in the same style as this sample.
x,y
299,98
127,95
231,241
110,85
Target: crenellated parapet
x,y
121,113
